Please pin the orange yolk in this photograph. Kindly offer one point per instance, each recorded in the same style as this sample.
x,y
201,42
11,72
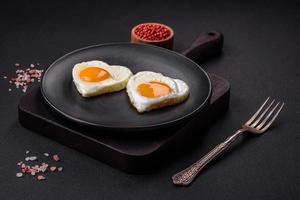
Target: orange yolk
x,y
154,89
93,74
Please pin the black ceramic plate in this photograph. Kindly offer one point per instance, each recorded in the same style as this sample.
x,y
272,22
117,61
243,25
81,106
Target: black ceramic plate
x,y
113,111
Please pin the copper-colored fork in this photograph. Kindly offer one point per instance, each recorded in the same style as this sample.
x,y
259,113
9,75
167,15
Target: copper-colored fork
x,y
257,124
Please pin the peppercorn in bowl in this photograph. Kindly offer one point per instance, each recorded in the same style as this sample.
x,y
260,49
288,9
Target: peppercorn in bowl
x,y
153,33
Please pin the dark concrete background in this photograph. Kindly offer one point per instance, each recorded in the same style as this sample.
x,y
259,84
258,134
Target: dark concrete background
x,y
260,59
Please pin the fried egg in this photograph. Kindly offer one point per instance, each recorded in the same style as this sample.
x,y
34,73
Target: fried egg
x,y
95,77
150,90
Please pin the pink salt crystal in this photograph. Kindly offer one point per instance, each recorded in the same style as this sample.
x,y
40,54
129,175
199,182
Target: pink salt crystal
x,y
56,157
40,178
25,77
52,169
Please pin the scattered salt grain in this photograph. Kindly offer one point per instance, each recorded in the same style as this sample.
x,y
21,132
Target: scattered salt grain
x,y
20,163
52,169
24,88
5,77
19,175
43,167
23,78
46,154
31,158
56,157
37,170
9,89
40,177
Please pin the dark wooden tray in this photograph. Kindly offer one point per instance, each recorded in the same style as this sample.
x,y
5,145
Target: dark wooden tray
x,y
132,152
129,153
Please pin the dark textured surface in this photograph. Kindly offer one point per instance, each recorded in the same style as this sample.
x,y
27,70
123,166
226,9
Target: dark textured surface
x,y
261,58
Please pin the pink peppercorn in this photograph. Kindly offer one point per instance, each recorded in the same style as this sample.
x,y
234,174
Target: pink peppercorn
x,y
154,32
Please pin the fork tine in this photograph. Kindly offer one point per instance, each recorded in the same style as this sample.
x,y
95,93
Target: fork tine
x,y
272,120
257,112
267,117
262,115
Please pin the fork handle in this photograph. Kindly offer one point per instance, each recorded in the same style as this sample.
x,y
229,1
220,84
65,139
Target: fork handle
x,y
186,176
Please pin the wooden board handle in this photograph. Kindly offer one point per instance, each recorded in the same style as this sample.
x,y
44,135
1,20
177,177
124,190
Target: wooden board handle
x,y
207,45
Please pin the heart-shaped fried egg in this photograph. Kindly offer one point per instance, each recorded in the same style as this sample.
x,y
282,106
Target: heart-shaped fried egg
x,y
150,90
93,78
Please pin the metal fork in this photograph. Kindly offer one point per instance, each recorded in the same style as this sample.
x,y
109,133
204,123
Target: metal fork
x,y
257,124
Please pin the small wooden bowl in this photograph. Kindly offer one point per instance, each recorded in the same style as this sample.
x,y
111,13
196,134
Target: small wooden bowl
x,y
166,43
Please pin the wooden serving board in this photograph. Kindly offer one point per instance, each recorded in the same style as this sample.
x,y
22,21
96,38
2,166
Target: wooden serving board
x,y
130,153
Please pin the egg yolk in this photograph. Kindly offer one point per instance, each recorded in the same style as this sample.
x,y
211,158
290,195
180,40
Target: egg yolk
x,y
93,74
154,89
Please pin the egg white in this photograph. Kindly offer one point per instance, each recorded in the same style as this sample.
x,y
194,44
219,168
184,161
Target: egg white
x,y
179,91
119,76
